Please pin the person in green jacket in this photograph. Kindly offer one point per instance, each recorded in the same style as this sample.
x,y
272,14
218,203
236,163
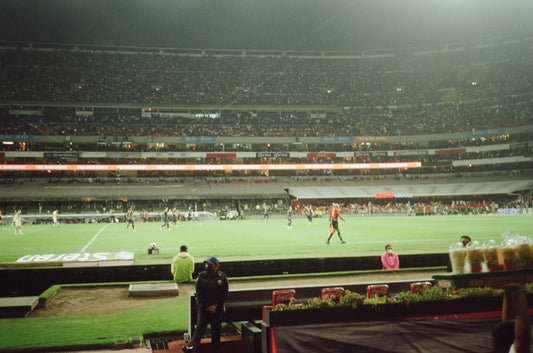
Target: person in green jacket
x,y
182,266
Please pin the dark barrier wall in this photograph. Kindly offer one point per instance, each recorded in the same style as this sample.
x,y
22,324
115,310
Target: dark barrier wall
x,y
326,264
33,281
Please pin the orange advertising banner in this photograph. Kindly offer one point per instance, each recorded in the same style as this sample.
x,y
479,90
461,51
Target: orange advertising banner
x,y
204,167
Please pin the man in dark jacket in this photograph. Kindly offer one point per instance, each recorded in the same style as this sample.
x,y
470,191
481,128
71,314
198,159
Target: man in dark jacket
x,y
211,293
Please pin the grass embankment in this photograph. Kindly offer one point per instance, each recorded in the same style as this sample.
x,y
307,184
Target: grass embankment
x,y
95,330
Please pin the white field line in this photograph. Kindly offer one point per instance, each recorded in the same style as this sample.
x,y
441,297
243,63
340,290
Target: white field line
x,y
95,236
321,243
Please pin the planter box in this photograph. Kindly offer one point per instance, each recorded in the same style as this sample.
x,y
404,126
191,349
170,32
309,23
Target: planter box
x,y
381,311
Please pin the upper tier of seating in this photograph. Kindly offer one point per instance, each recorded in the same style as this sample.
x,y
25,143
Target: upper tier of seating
x,y
465,91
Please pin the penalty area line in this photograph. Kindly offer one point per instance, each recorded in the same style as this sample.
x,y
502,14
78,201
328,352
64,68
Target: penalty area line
x,y
94,238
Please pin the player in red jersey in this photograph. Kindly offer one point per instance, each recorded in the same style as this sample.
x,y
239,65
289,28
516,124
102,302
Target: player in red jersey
x,y
334,216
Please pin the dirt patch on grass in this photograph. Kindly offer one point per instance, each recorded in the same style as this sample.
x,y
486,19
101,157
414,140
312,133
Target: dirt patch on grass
x,y
81,301
78,301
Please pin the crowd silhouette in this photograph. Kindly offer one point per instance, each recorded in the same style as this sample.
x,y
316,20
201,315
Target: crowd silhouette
x,y
439,94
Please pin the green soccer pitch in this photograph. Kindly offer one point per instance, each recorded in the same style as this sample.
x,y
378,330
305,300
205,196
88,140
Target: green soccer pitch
x,y
229,240
258,239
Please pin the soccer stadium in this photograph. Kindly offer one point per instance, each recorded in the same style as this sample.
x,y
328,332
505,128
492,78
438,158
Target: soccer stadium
x,y
303,163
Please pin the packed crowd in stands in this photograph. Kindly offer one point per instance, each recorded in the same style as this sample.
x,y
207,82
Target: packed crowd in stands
x,y
437,95
482,114
121,144
446,93
253,207
76,76
320,176
445,206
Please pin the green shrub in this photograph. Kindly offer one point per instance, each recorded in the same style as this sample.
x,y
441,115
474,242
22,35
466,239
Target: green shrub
x,y
353,300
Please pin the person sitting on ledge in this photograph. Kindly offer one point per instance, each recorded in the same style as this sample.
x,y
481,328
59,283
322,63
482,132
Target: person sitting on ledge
x,y
182,266
390,260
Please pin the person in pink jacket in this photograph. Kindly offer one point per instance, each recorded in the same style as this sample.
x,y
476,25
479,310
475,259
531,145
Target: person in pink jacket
x,y
390,260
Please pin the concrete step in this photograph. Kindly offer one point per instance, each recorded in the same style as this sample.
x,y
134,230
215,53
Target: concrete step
x,y
153,290
17,306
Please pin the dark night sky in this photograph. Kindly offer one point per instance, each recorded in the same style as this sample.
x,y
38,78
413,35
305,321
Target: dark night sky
x,y
264,24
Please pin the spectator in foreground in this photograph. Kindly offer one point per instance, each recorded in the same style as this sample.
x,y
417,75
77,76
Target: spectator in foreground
x,y
508,335
182,266
389,259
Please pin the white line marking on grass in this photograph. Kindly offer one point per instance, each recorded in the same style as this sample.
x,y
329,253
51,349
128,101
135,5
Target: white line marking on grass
x,y
95,236
323,243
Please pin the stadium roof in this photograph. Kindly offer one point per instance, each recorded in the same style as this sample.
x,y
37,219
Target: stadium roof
x,y
258,190
411,190
265,24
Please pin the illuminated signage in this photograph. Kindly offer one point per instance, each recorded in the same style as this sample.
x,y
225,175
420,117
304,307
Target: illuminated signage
x,y
206,167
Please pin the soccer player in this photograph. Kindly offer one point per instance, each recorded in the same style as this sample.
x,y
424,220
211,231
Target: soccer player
x,y
289,217
165,219
334,216
175,216
55,223
17,220
309,214
1,221
130,218
266,210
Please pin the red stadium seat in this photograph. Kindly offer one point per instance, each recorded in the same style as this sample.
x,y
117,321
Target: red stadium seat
x,y
377,289
283,296
419,287
336,292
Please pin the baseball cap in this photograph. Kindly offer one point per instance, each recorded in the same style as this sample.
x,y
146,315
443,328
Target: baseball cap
x,y
212,260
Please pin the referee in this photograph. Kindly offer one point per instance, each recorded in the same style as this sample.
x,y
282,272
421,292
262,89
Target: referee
x,y
334,216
